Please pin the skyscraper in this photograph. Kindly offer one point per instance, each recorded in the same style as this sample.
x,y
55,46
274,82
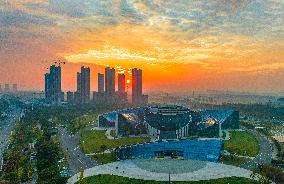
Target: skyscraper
x,y
1,88
121,88
70,97
79,85
53,91
83,85
137,86
101,83
121,83
47,86
110,83
7,88
15,87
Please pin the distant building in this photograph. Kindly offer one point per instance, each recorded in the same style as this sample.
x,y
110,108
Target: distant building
x,y
53,91
83,85
145,99
99,97
77,97
7,88
110,84
121,83
1,88
70,97
101,83
136,86
121,87
79,85
15,87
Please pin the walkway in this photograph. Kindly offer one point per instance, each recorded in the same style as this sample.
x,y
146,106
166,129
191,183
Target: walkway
x,y
193,170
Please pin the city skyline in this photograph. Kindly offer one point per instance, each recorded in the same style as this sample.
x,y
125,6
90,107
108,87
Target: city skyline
x,y
204,44
112,87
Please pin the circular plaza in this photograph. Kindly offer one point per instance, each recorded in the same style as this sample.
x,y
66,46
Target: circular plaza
x,y
163,170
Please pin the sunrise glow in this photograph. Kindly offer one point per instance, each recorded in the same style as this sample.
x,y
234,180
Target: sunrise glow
x,y
180,45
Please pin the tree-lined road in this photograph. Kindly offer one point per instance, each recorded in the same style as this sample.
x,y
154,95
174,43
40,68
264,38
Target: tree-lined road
x,y
265,151
7,125
77,160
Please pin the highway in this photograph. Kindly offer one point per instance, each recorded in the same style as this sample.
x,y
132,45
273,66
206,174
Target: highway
x,y
7,125
77,160
265,152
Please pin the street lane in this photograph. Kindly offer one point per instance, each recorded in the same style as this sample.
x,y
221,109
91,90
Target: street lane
x,y
265,152
77,160
13,114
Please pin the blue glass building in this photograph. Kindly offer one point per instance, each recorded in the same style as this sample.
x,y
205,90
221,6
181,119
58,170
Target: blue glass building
x,y
208,150
176,131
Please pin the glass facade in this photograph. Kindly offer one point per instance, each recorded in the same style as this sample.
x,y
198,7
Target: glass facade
x,y
170,122
208,150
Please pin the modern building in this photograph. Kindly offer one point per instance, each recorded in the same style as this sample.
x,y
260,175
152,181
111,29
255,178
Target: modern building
x,y
121,83
175,131
145,99
70,97
101,83
212,123
136,86
1,90
83,85
53,91
110,84
163,122
79,82
208,150
7,88
122,94
168,122
99,98
15,87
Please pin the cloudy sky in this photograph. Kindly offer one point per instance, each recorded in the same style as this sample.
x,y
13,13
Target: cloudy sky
x,y
180,44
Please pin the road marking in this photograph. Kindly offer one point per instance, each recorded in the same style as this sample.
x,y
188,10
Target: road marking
x,y
80,161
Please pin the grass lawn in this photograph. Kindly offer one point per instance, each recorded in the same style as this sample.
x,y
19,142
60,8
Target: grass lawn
x,y
103,179
93,141
83,121
233,160
242,143
104,158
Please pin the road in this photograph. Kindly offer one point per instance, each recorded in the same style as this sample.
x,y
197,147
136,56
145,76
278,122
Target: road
x,y
7,125
265,152
77,159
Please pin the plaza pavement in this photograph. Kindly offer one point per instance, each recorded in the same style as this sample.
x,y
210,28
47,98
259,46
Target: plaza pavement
x,y
134,169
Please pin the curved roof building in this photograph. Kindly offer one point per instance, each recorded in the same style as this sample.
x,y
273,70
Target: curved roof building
x,y
170,122
173,130
167,118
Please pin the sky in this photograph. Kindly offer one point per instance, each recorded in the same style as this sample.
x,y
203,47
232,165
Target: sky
x,y
181,45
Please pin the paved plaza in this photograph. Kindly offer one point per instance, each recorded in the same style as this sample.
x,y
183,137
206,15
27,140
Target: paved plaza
x,y
180,170
169,166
